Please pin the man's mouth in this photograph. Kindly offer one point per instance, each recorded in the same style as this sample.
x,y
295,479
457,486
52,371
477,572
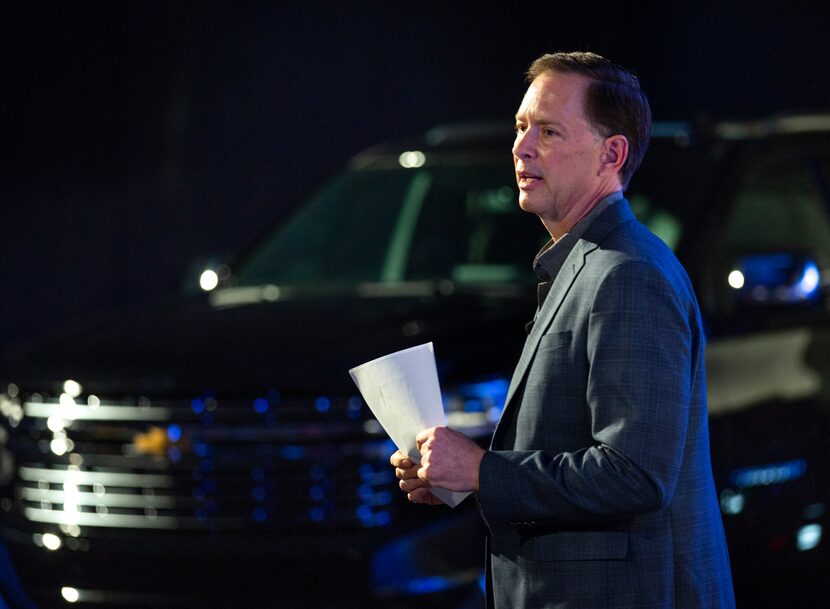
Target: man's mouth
x,y
526,179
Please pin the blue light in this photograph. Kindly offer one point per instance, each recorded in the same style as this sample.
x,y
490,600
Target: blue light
x,y
260,405
206,465
364,512
478,397
473,406
174,433
774,473
316,514
316,493
366,471
429,585
732,503
260,514
257,473
258,493
388,447
382,518
381,498
365,491
322,404
198,406
809,281
201,449
292,452
495,389
355,408
771,275
808,537
174,454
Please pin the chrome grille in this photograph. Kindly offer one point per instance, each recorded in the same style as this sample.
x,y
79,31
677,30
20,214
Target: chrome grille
x,y
200,463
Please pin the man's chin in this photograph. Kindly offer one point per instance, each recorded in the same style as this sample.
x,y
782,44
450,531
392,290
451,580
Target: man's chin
x,y
526,204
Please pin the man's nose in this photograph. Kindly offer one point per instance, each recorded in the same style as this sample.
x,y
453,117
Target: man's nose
x,y
523,146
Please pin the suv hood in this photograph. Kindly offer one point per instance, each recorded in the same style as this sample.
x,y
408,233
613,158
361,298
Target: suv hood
x,y
295,346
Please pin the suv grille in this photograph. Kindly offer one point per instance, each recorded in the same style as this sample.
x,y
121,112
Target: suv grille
x,y
196,464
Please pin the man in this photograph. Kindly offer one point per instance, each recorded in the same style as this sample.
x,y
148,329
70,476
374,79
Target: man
x,y
597,489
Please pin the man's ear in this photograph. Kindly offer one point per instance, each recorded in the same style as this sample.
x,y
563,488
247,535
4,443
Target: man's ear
x,y
614,154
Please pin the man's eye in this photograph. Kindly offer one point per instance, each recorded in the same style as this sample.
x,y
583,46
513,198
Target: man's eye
x,y
550,132
520,128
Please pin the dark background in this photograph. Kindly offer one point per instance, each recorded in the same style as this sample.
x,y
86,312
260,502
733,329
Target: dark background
x,y
143,137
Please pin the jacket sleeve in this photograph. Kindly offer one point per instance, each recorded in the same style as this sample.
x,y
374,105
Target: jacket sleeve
x,y
639,350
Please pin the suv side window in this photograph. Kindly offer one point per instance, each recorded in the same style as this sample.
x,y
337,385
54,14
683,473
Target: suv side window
x,y
777,225
779,207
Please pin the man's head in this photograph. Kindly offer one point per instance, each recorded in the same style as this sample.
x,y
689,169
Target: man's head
x,y
614,102
581,131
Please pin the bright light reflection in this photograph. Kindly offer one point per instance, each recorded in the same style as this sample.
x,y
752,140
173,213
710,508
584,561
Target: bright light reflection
x,y
731,502
208,280
66,400
55,424
808,537
70,595
51,541
411,159
73,388
736,279
59,446
809,280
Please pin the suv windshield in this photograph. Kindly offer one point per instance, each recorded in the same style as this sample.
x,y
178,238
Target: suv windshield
x,y
450,217
391,224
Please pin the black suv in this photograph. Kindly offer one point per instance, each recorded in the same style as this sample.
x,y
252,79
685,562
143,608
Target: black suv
x,y
214,451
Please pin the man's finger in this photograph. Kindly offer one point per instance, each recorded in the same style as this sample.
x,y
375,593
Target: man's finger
x,y
422,495
423,436
406,474
412,484
399,459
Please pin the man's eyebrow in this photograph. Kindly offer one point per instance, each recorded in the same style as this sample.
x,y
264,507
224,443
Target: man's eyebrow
x,y
542,121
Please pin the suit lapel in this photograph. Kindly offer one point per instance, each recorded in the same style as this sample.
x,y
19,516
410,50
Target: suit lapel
x,y
602,225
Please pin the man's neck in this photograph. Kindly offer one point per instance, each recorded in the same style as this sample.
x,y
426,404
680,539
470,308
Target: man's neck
x,y
557,227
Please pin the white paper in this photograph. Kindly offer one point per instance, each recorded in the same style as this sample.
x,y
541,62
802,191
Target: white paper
x,y
404,394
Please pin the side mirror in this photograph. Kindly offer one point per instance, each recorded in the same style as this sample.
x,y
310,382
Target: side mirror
x,y
783,278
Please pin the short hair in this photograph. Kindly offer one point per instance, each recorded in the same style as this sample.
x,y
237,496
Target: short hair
x,y
614,102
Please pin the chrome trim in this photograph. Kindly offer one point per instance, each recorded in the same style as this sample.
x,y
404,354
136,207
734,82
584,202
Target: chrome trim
x,y
58,476
87,519
78,412
120,500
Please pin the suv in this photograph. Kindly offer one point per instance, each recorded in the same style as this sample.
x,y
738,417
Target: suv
x,y
213,451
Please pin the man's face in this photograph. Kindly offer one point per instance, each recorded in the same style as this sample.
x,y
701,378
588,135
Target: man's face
x,y
557,153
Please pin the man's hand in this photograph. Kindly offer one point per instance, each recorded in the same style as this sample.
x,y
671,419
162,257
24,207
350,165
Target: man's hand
x,y
449,459
417,491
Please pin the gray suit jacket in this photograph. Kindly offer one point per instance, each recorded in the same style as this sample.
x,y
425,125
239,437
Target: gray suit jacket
x,y
598,491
